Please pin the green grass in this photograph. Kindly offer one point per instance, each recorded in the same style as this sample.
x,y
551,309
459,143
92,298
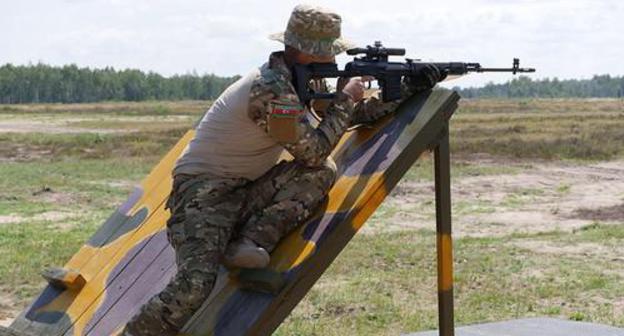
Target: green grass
x,y
87,190
29,247
535,129
385,284
542,129
73,184
422,170
87,145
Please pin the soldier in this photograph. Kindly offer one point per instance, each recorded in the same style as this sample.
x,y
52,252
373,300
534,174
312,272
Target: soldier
x,y
228,186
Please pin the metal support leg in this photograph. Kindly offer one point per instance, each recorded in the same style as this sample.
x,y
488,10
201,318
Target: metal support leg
x,y
444,240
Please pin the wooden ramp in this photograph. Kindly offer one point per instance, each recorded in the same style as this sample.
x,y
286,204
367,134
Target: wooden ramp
x,y
128,259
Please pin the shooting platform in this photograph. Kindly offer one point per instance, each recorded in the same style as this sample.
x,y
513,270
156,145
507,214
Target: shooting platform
x,y
128,260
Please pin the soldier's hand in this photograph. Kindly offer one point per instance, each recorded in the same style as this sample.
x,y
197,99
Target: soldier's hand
x,y
354,88
428,77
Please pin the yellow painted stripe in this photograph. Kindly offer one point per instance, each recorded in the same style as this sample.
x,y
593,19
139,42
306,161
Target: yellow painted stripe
x,y
445,262
165,166
341,196
369,205
85,301
159,176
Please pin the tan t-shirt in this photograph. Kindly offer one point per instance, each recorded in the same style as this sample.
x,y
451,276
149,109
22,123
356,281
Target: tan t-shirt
x,y
228,143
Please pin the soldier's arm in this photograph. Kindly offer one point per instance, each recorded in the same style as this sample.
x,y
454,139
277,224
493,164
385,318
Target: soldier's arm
x,y
275,107
371,109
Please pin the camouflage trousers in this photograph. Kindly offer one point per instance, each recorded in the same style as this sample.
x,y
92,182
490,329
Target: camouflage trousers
x,y
207,213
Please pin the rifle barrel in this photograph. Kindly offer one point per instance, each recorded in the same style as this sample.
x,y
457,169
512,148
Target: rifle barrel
x,y
514,70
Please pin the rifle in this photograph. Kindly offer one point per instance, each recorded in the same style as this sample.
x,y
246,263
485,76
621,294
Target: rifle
x,y
388,74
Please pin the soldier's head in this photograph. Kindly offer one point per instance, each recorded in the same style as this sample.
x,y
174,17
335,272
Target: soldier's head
x,y
312,35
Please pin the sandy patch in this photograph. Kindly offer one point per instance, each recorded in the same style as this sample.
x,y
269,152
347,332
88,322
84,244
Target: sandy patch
x,y
542,197
54,125
50,216
7,309
618,307
567,249
19,126
7,219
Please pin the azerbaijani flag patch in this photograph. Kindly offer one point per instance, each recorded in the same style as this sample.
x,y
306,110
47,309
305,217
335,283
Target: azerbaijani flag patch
x,y
283,121
286,110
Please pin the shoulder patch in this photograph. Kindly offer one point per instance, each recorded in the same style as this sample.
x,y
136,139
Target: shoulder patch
x,y
283,120
286,109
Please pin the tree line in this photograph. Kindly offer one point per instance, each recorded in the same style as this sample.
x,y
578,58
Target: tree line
x,y
43,83
525,87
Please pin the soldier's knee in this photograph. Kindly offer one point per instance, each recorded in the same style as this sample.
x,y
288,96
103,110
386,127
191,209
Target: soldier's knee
x,y
200,286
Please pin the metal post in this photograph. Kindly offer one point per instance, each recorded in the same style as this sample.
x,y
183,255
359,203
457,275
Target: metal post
x,y
444,240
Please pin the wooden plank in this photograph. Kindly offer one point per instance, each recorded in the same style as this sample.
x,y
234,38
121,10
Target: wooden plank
x,y
135,286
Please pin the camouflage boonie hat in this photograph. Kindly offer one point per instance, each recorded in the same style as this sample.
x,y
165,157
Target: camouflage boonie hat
x,y
314,30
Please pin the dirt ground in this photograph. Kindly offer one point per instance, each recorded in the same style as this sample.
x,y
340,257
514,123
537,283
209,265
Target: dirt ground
x,y
542,197
7,309
18,126
51,124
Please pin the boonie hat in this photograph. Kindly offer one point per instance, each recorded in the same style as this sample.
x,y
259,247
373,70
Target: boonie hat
x,y
314,30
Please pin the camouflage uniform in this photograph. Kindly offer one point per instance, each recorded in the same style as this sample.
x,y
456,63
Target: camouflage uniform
x,y
208,210
204,211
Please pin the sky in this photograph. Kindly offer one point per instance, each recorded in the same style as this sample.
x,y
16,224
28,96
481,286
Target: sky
x,y
564,39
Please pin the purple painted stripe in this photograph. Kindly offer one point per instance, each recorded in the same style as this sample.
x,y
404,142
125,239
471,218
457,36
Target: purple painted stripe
x,y
378,152
241,311
48,295
116,226
126,272
132,200
151,282
318,230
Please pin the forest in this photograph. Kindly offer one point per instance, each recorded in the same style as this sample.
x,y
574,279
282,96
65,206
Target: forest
x,y
603,86
41,83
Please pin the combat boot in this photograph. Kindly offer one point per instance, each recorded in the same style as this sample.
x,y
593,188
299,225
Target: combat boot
x,y
245,253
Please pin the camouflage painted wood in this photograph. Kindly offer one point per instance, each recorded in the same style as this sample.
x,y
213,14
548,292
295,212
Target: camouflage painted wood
x,y
368,175
129,259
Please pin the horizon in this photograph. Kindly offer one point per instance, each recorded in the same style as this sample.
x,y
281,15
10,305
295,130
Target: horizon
x,y
446,84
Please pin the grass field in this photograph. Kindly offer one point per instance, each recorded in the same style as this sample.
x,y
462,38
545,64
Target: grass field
x,y
538,211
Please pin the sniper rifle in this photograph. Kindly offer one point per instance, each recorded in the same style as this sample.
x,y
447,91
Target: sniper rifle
x,y
388,74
